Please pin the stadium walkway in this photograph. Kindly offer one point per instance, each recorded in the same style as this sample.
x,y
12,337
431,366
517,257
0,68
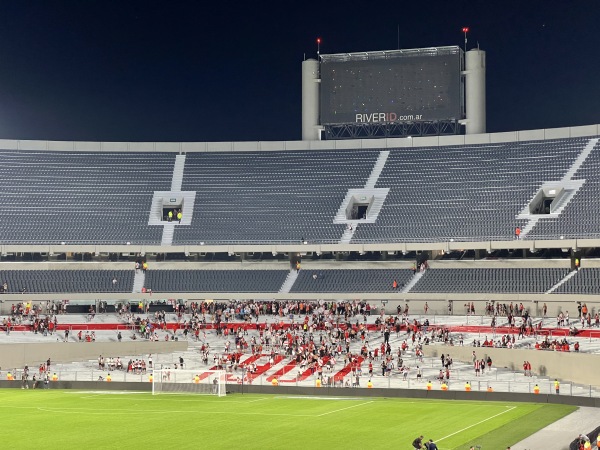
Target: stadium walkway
x,y
585,419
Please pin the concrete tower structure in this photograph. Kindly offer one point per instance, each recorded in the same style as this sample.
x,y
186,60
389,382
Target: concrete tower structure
x,y
475,102
311,129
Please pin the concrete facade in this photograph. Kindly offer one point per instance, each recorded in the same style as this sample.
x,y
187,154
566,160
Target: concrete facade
x,y
580,368
20,354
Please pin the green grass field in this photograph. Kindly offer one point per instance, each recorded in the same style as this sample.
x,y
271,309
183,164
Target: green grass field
x,y
99,420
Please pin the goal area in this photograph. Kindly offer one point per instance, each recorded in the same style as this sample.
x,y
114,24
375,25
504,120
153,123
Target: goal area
x,y
185,381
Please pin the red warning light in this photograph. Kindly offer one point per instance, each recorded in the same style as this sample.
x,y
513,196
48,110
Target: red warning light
x,y
465,29
318,40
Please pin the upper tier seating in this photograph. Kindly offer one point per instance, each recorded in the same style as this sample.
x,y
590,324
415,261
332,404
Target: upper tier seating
x,y
466,192
580,219
54,197
270,196
459,193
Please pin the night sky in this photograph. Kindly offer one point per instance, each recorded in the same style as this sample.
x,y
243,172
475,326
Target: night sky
x,y
231,71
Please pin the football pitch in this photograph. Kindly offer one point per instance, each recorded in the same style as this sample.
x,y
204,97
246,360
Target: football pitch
x,y
99,419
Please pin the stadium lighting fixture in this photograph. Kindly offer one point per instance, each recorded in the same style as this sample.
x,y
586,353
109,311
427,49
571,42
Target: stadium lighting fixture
x,y
465,31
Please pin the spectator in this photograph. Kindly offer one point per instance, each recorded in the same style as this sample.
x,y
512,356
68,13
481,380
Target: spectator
x,y
582,439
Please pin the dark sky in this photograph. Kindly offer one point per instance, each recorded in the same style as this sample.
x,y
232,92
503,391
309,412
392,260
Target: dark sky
x,y
231,71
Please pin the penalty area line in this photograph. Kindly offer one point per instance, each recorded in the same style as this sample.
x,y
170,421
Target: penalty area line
x,y
475,424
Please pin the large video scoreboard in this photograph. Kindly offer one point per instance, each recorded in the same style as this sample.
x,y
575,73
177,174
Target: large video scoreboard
x,y
392,86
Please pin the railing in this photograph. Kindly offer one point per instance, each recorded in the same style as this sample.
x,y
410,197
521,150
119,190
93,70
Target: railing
x,y
308,240
390,382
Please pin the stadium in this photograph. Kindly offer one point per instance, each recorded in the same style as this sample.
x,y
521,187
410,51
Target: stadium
x,y
314,279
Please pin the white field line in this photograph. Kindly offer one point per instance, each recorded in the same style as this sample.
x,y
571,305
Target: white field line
x,y
475,424
109,392
343,409
112,411
305,397
152,399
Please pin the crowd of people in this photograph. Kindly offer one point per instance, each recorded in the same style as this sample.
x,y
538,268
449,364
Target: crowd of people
x,y
315,334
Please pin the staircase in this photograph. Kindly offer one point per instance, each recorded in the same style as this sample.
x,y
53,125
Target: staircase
x,y
564,280
168,231
138,281
286,287
527,228
377,169
177,179
348,233
580,159
414,280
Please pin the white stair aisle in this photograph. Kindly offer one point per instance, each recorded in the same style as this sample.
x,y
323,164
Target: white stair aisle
x,y
414,280
138,281
580,159
561,282
291,278
527,228
377,169
178,168
168,231
348,233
